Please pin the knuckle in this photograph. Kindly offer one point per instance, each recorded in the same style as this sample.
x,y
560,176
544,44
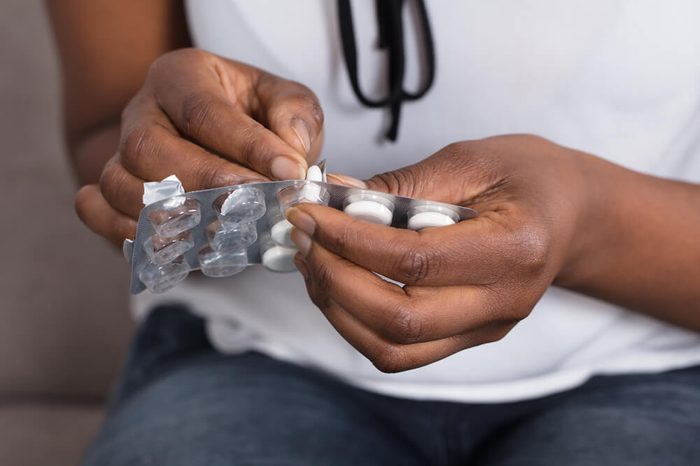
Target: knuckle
x,y
347,239
320,300
252,148
415,265
405,325
164,64
306,100
206,175
113,183
498,332
195,113
530,249
138,142
454,149
323,276
389,359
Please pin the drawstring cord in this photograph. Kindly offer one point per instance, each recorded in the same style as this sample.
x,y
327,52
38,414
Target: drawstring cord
x,y
390,25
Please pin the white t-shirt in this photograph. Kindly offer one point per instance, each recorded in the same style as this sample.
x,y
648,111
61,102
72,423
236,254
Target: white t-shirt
x,y
617,78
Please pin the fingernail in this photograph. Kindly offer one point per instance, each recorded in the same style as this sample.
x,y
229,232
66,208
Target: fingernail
x,y
301,220
302,241
302,268
346,180
284,168
302,132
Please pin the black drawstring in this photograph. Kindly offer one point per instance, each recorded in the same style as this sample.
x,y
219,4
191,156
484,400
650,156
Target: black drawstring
x,y
390,25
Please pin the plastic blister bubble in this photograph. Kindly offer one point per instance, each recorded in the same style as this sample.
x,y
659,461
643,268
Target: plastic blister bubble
x,y
220,264
161,278
162,250
245,204
175,216
231,237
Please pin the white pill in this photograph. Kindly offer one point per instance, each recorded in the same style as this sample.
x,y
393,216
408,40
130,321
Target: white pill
x,y
369,211
429,219
280,259
314,173
281,233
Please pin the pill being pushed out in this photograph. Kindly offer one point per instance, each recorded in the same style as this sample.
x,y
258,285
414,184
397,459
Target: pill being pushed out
x,y
281,233
369,207
314,173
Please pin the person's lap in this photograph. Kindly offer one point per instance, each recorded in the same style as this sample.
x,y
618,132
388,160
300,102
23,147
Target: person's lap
x,y
635,419
182,403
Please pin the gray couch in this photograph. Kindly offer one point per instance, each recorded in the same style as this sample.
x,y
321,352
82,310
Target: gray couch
x,y
64,323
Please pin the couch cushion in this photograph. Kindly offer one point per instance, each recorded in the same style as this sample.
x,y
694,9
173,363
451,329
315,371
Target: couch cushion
x,y
36,433
63,291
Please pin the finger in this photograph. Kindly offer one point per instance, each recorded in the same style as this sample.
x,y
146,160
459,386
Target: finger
x,y
101,218
152,149
387,357
212,109
468,252
292,111
403,315
122,190
392,357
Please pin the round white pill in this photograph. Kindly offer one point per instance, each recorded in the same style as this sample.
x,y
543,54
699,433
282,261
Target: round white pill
x,y
369,211
280,259
429,219
281,233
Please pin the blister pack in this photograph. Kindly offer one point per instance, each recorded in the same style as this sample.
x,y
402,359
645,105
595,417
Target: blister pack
x,y
224,230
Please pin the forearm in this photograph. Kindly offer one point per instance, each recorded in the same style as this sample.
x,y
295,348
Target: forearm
x,y
105,49
90,153
638,244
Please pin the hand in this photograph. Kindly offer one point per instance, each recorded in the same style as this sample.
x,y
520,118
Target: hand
x,y
466,284
210,121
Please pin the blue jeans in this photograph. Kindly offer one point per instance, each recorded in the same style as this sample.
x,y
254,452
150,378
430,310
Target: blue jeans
x,y
182,403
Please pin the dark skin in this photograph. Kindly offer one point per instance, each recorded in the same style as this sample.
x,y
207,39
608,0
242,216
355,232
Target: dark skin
x,y
549,214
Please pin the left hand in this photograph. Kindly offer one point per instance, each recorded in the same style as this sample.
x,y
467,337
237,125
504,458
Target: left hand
x,y
466,284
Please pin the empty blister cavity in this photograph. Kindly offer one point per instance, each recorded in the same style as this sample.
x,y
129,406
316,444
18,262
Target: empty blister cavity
x,y
245,204
231,237
220,264
281,233
279,259
162,250
161,278
431,215
370,207
175,216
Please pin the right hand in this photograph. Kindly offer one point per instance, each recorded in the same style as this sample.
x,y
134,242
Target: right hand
x,y
212,122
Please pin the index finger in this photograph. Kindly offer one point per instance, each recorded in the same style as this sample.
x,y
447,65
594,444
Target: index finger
x,y
211,108
468,252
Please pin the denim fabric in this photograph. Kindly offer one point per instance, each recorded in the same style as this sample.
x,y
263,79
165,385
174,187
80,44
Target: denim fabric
x,y
182,403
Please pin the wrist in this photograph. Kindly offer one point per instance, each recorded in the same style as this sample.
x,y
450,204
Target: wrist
x,y
602,190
